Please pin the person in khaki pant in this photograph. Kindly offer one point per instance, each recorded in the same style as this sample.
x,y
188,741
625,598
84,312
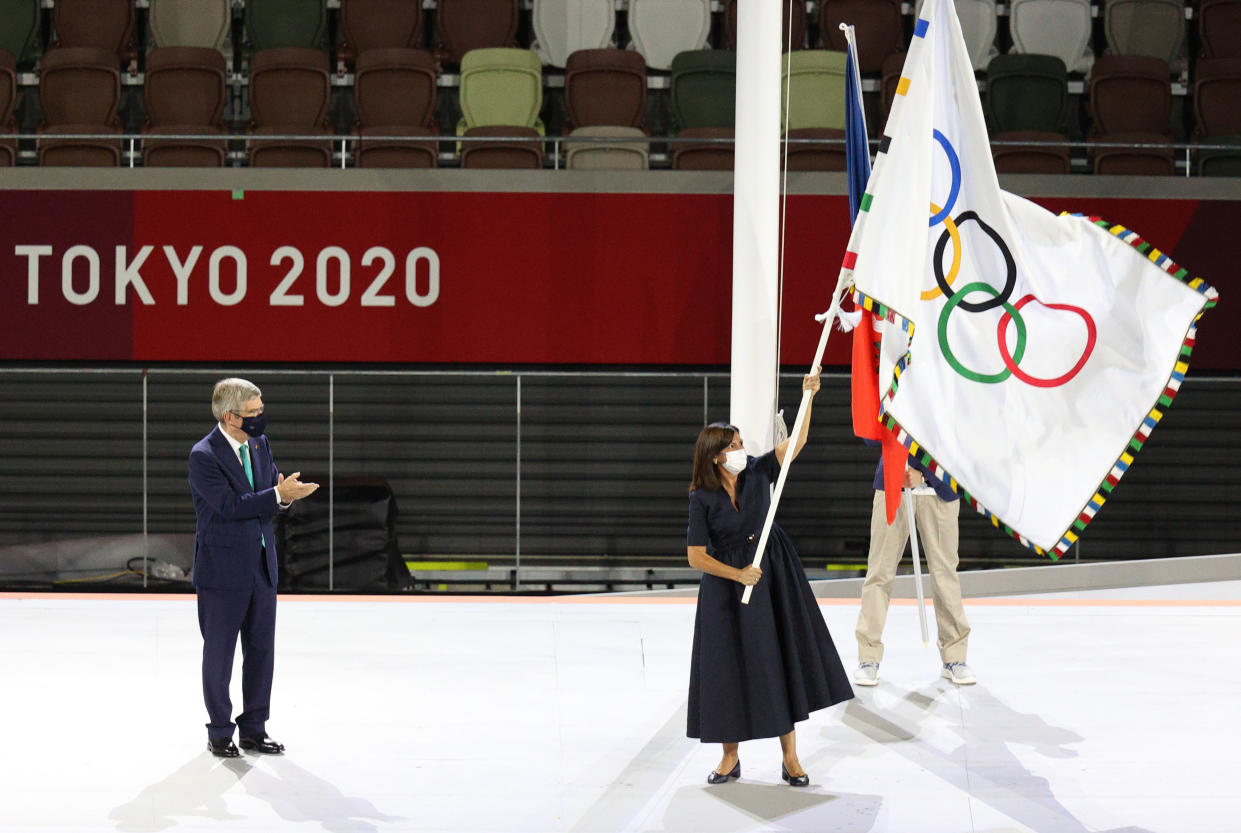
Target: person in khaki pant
x,y
936,509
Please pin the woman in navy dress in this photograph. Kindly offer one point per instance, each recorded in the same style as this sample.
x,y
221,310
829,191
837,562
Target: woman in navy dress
x,y
759,668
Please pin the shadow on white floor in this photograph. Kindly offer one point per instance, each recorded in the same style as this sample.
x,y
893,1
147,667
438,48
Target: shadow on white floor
x,y
1102,713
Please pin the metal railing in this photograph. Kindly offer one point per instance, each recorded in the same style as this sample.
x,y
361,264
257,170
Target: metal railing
x,y
554,149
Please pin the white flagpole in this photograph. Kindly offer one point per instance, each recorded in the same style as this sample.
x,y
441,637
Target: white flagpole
x,y
829,319
913,544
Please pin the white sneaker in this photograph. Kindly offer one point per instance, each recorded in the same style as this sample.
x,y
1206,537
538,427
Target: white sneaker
x,y
958,672
867,673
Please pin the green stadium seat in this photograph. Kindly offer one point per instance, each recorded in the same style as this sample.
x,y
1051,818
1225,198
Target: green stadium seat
x,y
704,88
813,85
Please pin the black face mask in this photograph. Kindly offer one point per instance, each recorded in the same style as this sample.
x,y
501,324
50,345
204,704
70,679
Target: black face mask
x,y
255,425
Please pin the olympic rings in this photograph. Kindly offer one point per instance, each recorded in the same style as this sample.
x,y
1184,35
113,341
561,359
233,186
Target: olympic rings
x,y
1010,280
955,189
1011,363
956,257
1000,297
954,363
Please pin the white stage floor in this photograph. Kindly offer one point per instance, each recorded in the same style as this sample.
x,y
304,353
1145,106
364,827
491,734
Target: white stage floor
x,y
1099,711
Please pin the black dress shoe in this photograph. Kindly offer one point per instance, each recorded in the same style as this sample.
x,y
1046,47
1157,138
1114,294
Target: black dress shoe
x,y
223,747
262,743
719,778
802,780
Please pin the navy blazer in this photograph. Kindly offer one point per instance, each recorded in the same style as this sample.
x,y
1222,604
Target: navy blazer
x,y
231,515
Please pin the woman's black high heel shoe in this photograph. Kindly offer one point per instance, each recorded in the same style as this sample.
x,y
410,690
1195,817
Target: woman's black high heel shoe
x,y
717,778
794,780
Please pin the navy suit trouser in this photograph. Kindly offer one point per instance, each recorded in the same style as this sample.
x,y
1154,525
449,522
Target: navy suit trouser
x,y
223,615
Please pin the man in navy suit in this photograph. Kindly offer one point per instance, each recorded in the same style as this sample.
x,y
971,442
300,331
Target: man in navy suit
x,y
237,491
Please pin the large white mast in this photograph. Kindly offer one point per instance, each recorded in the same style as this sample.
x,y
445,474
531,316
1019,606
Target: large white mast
x,y
756,224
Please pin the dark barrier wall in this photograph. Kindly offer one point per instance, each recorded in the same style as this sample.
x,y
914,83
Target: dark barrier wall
x,y
603,463
452,277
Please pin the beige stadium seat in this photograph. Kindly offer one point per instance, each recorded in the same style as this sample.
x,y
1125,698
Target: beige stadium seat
x,y
562,27
1053,27
662,28
203,23
599,154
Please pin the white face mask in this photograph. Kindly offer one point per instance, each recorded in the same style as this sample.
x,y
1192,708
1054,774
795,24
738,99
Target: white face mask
x,y
734,460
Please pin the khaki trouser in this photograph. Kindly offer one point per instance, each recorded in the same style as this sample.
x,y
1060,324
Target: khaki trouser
x,y
937,539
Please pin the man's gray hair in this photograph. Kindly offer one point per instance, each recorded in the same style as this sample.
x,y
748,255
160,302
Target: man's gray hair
x,y
231,395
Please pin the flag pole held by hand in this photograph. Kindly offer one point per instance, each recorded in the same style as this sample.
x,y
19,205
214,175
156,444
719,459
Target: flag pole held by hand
x,y
913,545
828,318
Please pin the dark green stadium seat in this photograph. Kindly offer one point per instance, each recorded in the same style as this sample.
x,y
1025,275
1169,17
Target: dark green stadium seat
x,y
1027,92
704,88
276,23
1220,162
19,30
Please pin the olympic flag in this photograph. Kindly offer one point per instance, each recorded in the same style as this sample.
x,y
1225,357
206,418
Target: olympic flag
x,y
1042,349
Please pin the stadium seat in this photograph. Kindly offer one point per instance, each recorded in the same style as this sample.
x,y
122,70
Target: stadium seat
x,y
878,25
390,147
1224,162
100,24
562,27
704,88
289,153
501,87
1131,101
1028,101
704,156
184,153
185,86
1130,95
813,85
1217,97
467,25
661,29
80,153
395,86
597,153
1045,155
1053,27
797,38
1154,28
379,24
1217,110
8,100
1219,28
605,87
289,87
1136,161
80,86
507,151
1027,92
19,30
204,23
272,24
815,157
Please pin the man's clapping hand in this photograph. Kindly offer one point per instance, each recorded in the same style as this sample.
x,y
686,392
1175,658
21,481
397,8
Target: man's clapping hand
x,y
292,489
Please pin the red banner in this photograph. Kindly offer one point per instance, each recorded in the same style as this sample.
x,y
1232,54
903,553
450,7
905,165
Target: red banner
x,y
439,277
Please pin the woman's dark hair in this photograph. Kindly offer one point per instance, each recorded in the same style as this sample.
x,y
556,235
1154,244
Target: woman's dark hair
x,y
711,441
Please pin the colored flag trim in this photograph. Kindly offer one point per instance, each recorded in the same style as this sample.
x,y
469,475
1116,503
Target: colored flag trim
x,y
877,309
1154,256
1152,418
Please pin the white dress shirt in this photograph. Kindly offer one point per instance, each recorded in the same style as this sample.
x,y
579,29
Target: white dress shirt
x,y
237,451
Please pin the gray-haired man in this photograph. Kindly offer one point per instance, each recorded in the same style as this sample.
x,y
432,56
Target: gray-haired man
x,y
237,490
